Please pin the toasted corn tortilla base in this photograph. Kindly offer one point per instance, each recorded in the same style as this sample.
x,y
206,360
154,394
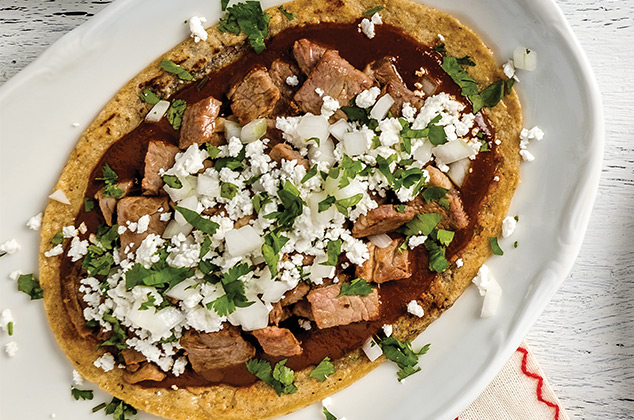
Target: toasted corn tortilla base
x,y
125,111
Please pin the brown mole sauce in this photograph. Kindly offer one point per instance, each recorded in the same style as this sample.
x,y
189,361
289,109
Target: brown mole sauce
x,y
126,157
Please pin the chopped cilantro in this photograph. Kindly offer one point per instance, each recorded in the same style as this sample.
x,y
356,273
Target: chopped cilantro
x,y
465,61
280,378
292,204
323,370
259,200
333,250
233,163
402,354
493,93
197,221
468,86
118,337
328,414
326,203
224,4
109,177
159,275
172,181
58,238
119,409
311,173
171,67
440,48
202,83
421,224
234,296
151,301
205,247
345,203
175,113
484,147
228,190
252,180
287,14
444,236
149,97
371,11
434,194
10,328
28,284
437,261
400,208
273,243
495,246
212,151
516,217
248,18
515,244
84,394
89,204
358,287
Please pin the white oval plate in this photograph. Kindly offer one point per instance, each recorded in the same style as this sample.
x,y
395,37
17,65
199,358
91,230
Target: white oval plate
x,y
72,81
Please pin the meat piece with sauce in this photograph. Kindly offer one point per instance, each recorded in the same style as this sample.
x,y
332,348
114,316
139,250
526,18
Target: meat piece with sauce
x,y
329,310
277,341
284,151
307,54
385,264
131,209
208,351
107,205
385,218
280,71
254,97
384,71
295,295
160,155
454,217
336,78
147,372
199,121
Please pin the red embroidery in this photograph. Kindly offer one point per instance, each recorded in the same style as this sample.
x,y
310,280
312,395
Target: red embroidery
x,y
540,381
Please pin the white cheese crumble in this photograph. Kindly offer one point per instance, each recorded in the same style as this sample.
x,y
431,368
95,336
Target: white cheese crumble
x,y
10,247
367,98
55,251
508,226
416,240
292,80
78,249
105,362
459,262
482,279
11,348
75,124
59,196
78,380
197,28
509,69
414,308
527,135
5,318
329,106
69,231
15,274
35,222
387,330
143,223
367,27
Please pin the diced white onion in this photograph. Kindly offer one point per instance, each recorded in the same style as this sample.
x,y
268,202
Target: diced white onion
x,y
353,188
253,317
382,107
491,299
59,196
187,190
323,153
174,228
208,186
318,272
524,58
241,241
339,128
429,85
372,349
158,323
313,126
158,110
458,171
182,290
232,129
323,218
253,131
355,143
452,151
382,240
190,203
423,152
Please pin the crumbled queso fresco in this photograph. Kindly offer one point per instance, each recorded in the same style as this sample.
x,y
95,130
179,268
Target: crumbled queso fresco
x,y
316,206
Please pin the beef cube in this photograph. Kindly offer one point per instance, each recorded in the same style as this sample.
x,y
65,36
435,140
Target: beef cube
x,y
199,121
295,295
107,205
279,72
278,341
160,155
284,151
302,309
131,209
455,217
385,264
385,218
336,78
147,372
255,97
307,54
330,310
278,314
208,351
384,71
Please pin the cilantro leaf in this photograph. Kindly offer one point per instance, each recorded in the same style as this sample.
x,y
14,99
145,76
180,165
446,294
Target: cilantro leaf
x,y
148,303
333,249
228,190
119,409
84,394
109,177
205,247
323,370
196,220
28,284
118,337
311,173
10,328
292,204
280,378
259,200
248,18
400,208
358,287
58,238
345,203
402,354
495,247
371,11
437,261
175,113
89,204
287,14
273,243
433,193
468,86
444,236
421,224
224,4
212,151
172,181
158,276
149,97
465,61
234,291
326,203
328,414
171,67
493,93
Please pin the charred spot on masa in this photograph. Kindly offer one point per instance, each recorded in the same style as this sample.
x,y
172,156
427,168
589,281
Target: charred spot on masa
x,y
199,65
108,131
104,122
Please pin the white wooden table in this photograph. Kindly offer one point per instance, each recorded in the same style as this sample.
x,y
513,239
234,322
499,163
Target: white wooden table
x,y
585,338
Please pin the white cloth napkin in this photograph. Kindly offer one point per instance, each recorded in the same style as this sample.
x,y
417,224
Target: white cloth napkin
x,y
519,392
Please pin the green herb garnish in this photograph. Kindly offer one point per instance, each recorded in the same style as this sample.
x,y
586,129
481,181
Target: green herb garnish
x,y
323,370
495,246
151,301
109,177
28,284
234,296
287,14
328,414
371,11
248,18
175,113
311,173
172,181
228,190
171,67
58,238
149,97
84,394
119,409
197,221
280,378
333,249
402,354
271,248
89,205
358,287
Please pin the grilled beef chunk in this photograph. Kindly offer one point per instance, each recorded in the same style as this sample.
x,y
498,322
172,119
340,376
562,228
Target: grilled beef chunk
x,y
132,357
336,78
385,218
295,295
107,205
199,121
208,351
147,372
279,72
330,310
278,341
160,155
307,54
131,209
302,309
455,217
254,97
386,264
278,314
384,71
283,151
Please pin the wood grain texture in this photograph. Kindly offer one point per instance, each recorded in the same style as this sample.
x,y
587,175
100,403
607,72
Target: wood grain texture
x,y
585,338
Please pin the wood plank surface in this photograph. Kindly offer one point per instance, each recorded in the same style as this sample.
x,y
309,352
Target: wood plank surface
x,y
585,338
